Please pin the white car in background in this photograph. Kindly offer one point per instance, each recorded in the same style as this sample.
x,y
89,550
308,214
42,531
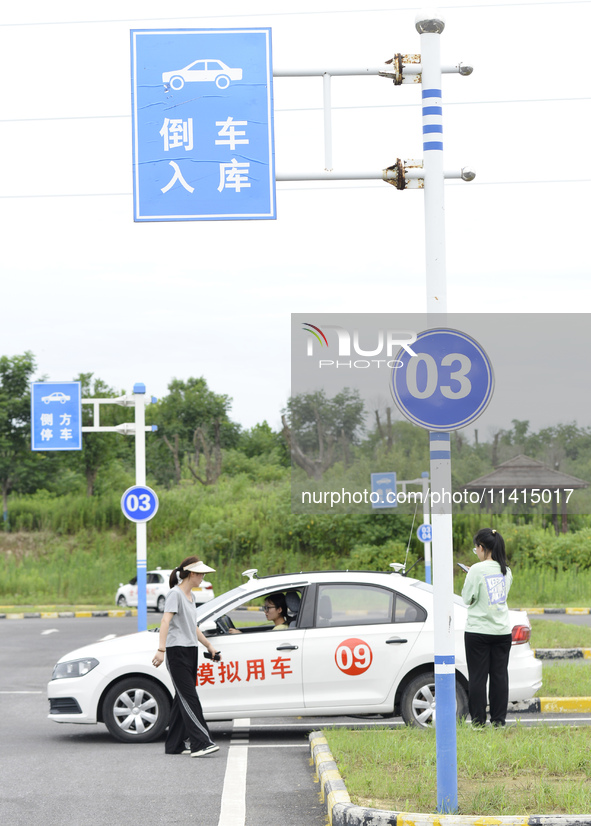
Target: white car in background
x,y
156,590
358,643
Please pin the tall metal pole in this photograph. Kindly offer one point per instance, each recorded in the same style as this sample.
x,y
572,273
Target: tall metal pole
x,y
139,391
426,521
430,26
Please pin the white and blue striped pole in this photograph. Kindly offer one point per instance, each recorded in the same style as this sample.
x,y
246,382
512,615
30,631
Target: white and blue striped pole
x,y
139,391
430,25
426,521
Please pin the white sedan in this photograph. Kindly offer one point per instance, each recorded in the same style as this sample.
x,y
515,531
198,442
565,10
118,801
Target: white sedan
x,y
203,71
358,643
55,397
157,588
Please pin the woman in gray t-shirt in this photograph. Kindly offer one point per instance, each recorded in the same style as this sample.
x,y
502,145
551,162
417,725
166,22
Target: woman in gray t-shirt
x,y
178,639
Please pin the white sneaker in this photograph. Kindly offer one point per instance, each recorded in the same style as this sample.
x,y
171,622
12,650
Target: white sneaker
x,y
206,751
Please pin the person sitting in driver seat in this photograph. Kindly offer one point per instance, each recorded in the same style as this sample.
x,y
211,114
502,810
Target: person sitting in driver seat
x,y
275,609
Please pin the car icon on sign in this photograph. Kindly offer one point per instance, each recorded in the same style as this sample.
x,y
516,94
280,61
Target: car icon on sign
x,y
56,397
208,71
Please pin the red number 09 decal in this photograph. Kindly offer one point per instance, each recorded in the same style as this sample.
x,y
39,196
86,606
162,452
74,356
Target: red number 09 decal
x,y
353,656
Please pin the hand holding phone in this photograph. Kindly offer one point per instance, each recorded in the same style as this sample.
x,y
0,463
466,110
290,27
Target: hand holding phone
x,y
215,657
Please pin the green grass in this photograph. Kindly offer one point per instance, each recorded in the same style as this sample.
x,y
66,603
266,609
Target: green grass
x,y
512,771
566,678
534,587
556,634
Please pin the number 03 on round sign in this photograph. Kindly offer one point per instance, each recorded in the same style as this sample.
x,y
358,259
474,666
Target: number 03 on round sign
x,y
139,503
446,384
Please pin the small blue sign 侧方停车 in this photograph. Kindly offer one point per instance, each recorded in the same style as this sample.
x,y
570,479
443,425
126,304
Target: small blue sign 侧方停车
x,y
202,122
56,415
383,490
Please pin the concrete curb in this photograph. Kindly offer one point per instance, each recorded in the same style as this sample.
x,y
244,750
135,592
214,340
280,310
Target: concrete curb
x,y
341,812
557,610
69,614
562,653
553,705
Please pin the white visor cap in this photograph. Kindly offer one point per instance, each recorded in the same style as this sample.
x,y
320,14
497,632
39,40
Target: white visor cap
x,y
199,568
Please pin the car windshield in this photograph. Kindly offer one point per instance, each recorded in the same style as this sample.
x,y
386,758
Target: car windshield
x,y
220,603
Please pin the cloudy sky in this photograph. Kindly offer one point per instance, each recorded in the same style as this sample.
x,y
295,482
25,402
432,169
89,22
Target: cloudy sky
x,y
87,289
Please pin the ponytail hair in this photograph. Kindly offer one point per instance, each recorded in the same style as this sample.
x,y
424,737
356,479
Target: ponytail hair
x,y
179,573
492,540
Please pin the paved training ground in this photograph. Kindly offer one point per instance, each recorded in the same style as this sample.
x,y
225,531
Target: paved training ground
x,y
341,812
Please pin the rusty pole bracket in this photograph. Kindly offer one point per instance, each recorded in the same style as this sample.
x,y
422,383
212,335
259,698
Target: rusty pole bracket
x,y
405,174
397,64
396,177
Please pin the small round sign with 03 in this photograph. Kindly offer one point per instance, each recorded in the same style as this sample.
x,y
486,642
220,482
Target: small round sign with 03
x,y
139,503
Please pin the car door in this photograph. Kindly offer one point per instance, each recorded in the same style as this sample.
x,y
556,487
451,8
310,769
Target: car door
x,y
362,636
260,670
153,583
132,598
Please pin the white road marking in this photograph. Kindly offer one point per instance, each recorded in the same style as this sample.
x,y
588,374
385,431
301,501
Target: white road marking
x,y
21,692
50,631
281,746
233,807
108,637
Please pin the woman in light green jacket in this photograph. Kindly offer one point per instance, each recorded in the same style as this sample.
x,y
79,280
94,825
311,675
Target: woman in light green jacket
x,y
488,630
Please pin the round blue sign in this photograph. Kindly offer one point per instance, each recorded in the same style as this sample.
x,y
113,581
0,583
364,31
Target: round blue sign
x,y
425,532
139,503
447,384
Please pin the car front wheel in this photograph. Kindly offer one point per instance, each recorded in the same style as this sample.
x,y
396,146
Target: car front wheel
x,y
222,81
122,602
417,705
160,604
136,710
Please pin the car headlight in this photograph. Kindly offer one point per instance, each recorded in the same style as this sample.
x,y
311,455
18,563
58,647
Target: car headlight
x,y
74,668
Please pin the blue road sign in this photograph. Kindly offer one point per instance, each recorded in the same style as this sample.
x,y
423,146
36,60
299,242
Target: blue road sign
x,y
202,118
383,490
56,415
425,532
447,384
139,503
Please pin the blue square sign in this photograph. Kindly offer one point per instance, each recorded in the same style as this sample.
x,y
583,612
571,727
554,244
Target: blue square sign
x,y
202,118
383,490
56,415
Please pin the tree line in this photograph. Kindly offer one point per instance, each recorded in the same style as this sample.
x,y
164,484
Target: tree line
x,y
197,441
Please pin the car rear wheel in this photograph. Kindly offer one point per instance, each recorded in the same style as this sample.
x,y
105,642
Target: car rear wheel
x,y
136,710
122,602
160,604
417,705
222,81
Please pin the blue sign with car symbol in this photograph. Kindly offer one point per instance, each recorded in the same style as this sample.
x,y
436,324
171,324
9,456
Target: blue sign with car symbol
x,y
202,118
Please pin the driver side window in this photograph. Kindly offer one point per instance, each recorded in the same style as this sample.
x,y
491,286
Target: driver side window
x,y
267,612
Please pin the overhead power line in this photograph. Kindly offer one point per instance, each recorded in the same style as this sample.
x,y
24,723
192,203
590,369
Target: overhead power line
x,y
320,109
327,186
318,12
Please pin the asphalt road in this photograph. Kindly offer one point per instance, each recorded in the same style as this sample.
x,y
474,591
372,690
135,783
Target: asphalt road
x,y
54,774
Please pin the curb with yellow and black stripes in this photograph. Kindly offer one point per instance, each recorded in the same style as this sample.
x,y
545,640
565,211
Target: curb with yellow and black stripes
x,y
68,614
341,812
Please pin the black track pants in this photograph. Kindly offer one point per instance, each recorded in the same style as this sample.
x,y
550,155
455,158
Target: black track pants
x,y
487,656
186,715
